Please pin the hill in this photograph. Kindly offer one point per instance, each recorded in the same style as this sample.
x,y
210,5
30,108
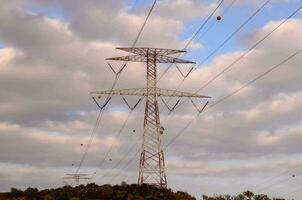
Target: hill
x,y
117,192
93,191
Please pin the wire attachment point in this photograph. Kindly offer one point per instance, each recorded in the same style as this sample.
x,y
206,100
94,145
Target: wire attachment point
x,y
197,108
116,72
168,107
131,107
104,105
182,74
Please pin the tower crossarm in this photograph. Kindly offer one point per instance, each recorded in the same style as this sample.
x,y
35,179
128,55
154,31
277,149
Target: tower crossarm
x,y
143,58
143,92
157,51
175,93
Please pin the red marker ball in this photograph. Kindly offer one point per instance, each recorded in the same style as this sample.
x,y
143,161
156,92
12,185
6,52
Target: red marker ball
x,y
218,18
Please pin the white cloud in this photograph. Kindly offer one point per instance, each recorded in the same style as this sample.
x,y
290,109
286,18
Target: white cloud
x,y
49,67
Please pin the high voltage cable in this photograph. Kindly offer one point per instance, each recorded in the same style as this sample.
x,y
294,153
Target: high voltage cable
x,y
240,27
296,189
235,92
124,157
246,52
144,24
228,38
100,114
96,125
127,164
272,178
228,96
238,90
194,35
133,45
224,42
202,25
234,33
199,29
111,146
114,84
117,136
215,22
250,49
276,183
260,41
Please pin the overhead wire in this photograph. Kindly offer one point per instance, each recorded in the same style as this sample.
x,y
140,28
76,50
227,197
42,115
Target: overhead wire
x,y
198,30
277,183
194,36
117,77
224,42
244,54
234,93
225,11
260,41
237,30
237,91
233,33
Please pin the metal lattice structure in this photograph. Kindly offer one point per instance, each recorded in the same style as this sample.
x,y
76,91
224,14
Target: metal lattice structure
x,y
77,177
152,162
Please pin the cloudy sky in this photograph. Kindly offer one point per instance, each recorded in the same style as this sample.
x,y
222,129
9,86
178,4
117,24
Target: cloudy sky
x,y
52,55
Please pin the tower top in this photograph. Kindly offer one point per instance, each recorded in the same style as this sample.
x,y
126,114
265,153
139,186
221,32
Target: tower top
x,y
145,50
140,54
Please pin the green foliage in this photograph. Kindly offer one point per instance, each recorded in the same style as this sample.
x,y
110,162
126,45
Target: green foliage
x,y
15,193
247,195
118,192
104,192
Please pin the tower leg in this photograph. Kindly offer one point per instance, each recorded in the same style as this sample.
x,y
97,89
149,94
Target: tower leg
x,y
151,169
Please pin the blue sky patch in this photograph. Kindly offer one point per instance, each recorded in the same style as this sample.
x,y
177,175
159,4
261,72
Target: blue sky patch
x,y
53,12
2,45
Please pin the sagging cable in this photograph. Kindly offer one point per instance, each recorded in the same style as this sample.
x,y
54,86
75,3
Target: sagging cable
x,y
182,74
116,72
168,107
104,105
132,107
198,109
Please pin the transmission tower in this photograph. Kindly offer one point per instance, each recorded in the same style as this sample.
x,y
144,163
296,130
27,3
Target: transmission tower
x,y
152,162
77,177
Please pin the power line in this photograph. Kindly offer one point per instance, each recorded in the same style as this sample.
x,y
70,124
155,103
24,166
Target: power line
x,y
234,33
277,183
202,25
255,79
220,45
250,49
144,24
97,122
246,52
197,32
113,86
223,43
238,90
237,61
215,22
194,35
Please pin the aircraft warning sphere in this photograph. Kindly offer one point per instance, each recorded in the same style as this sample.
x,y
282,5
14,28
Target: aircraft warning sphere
x,y
218,18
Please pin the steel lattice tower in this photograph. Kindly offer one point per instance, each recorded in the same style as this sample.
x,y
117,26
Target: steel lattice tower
x,y
152,162
77,178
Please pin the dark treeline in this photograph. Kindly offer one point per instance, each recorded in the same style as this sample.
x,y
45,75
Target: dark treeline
x,y
117,192
93,191
248,195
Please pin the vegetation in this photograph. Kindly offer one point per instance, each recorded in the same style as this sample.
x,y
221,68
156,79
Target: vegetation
x,y
117,192
93,191
248,195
